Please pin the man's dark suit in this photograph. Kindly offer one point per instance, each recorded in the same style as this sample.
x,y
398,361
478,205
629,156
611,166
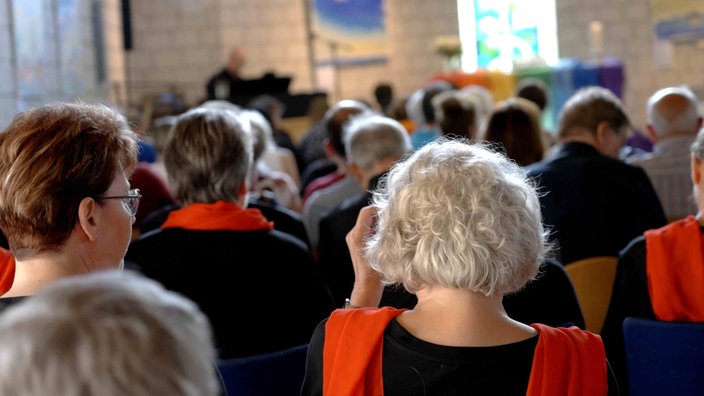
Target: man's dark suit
x,y
593,204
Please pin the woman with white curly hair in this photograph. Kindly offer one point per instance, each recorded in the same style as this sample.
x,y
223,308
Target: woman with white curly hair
x,y
458,225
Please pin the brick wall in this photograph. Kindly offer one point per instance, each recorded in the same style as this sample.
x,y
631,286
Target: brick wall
x,y
8,87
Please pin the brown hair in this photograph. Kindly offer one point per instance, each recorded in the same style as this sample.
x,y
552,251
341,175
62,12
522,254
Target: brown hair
x,y
589,106
456,114
515,124
51,157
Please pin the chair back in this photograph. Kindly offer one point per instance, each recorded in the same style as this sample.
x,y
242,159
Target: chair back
x,y
278,373
664,358
593,281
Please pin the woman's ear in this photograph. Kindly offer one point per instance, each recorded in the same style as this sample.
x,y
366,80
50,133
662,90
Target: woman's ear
x,y
88,218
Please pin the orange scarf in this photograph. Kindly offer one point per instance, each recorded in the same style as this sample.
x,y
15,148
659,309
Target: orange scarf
x,y
217,216
567,361
7,270
675,270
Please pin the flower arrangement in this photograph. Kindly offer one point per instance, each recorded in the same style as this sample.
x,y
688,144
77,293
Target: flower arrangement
x,y
448,46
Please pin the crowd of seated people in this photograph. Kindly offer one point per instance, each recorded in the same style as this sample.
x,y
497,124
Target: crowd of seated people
x,y
657,273
220,199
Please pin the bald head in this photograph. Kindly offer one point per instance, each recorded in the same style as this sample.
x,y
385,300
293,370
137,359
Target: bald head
x,y
673,111
235,60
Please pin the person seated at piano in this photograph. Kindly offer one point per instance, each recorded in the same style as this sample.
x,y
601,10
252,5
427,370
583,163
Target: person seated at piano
x,y
225,84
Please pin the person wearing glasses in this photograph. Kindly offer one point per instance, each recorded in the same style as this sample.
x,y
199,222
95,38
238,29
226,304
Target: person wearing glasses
x,y
66,206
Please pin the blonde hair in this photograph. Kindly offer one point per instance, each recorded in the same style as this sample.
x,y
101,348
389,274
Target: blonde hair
x,y
458,215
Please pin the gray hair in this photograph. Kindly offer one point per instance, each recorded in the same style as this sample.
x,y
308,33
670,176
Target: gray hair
x,y
106,333
457,215
208,155
261,132
370,137
683,121
697,148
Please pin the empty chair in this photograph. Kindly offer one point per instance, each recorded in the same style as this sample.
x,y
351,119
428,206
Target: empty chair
x,y
593,280
278,373
664,358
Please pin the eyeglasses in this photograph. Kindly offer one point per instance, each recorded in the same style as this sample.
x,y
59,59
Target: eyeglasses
x,y
131,200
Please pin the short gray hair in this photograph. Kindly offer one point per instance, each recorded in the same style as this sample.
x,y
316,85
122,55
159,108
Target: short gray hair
x,y
106,333
370,137
208,155
458,215
684,121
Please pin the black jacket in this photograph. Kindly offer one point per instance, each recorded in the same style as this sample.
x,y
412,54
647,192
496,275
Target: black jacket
x,y
259,288
593,204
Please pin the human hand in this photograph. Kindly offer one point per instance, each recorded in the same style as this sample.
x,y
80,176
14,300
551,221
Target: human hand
x,y
368,287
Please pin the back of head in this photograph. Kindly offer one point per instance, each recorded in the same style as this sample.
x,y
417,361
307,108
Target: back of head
x,y
456,114
515,125
107,333
221,104
588,107
673,110
414,108
51,157
270,107
383,94
263,138
335,119
457,215
208,156
483,101
431,91
534,90
371,138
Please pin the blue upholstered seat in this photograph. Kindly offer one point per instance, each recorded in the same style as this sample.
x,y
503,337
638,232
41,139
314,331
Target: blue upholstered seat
x,y
664,358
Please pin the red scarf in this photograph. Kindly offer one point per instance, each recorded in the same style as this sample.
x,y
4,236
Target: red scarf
x,y
217,216
675,269
567,361
7,270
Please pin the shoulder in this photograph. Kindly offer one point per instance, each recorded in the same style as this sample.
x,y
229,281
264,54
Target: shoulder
x,y
571,338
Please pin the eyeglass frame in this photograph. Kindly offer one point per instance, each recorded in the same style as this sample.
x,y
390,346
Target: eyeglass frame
x,y
133,195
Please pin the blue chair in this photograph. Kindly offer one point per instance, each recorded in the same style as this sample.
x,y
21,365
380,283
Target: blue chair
x,y
278,373
664,358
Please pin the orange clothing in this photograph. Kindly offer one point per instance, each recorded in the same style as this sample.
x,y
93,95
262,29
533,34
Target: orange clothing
x,y
7,270
567,361
675,270
217,216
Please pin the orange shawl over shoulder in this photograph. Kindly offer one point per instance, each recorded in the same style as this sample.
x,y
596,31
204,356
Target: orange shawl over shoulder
x,y
567,361
675,269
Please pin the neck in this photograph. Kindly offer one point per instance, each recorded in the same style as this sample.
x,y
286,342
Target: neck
x,y
462,318
37,272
